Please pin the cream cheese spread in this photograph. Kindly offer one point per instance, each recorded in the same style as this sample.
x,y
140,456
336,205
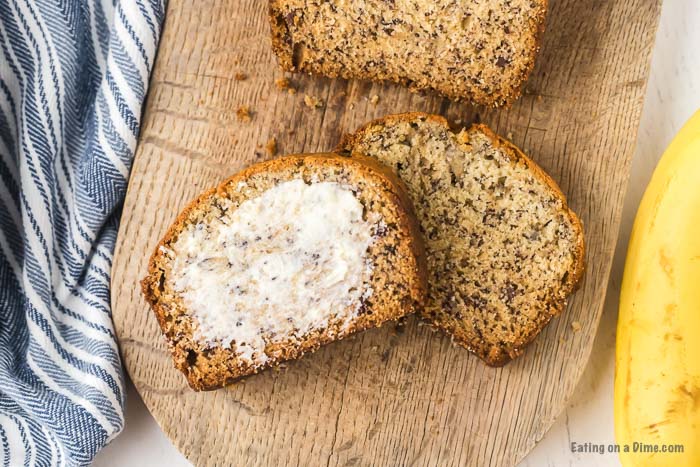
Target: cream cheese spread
x,y
282,264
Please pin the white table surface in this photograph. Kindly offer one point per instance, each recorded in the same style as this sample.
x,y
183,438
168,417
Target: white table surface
x,y
673,95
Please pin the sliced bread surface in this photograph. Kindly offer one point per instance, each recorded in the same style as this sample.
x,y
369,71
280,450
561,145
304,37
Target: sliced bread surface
x,y
281,258
482,51
503,249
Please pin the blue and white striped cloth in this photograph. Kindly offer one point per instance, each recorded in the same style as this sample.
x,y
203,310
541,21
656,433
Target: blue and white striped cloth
x,y
73,78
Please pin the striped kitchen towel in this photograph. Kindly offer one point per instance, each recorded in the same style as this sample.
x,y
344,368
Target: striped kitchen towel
x,y
73,78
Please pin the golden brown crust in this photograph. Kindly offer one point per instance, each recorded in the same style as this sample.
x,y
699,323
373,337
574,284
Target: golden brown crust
x,y
283,48
281,44
203,377
495,356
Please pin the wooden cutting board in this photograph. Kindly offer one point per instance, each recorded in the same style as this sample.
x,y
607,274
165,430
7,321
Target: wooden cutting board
x,y
387,396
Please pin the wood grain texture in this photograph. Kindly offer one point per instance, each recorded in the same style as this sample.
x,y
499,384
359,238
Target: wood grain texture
x,y
387,396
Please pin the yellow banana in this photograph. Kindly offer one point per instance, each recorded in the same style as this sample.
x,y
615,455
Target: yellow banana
x,y
657,373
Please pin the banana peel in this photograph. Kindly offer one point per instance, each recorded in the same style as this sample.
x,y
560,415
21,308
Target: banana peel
x,y
657,373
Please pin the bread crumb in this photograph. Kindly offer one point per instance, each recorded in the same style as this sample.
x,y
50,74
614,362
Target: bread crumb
x,y
240,76
283,83
352,105
510,135
576,326
291,91
271,147
312,102
243,113
458,121
374,99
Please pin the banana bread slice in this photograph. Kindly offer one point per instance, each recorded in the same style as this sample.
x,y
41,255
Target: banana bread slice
x,y
504,251
284,257
481,51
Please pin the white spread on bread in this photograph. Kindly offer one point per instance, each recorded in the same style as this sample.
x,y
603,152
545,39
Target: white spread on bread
x,y
280,265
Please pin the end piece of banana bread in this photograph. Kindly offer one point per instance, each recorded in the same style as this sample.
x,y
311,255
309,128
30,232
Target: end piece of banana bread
x,y
280,259
482,51
504,251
